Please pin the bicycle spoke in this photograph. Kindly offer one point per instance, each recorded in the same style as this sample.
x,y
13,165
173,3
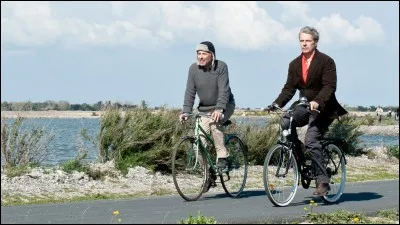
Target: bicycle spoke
x,y
189,170
280,176
234,178
336,168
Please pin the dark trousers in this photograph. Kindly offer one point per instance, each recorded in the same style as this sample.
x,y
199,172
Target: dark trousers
x,y
316,128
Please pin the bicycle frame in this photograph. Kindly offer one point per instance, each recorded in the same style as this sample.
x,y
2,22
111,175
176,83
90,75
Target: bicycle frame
x,y
289,144
198,131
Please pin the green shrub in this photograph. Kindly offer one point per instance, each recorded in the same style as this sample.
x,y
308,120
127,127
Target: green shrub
x,y
257,139
367,120
75,164
393,151
140,137
22,147
346,128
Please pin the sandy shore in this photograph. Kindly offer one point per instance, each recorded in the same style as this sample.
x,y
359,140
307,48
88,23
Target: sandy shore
x,y
52,114
88,114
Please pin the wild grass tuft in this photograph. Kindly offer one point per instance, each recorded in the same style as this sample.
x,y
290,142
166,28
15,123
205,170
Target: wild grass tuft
x,y
21,146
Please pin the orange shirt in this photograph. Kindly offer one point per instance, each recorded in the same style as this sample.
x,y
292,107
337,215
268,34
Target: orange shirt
x,y
304,67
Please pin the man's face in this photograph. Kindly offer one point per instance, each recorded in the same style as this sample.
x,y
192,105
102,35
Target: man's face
x,y
307,43
204,58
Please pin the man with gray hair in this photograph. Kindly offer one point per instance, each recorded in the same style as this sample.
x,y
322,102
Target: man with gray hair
x,y
313,73
209,78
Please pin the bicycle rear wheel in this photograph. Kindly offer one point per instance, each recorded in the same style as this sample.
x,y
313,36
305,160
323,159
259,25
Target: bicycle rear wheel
x,y
234,178
189,170
336,169
280,184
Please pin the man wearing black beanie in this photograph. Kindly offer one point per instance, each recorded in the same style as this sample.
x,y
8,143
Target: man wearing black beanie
x,y
209,78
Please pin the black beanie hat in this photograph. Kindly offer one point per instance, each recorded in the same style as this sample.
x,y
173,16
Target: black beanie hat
x,y
206,46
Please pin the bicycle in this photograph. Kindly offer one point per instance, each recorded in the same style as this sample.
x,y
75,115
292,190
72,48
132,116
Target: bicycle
x,y
193,162
280,160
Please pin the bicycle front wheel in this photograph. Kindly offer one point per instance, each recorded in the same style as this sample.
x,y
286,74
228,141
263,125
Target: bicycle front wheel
x,y
189,169
234,178
336,170
280,175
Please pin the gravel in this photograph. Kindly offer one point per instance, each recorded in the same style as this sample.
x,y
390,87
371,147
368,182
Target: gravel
x,y
53,182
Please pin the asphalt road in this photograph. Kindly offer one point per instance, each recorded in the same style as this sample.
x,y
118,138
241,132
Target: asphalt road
x,y
252,207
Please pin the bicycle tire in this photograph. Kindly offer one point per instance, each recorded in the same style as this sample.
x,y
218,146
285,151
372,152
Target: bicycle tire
x,y
181,173
237,161
333,196
269,163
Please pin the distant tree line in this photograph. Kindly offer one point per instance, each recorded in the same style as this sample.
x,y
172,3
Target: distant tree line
x,y
371,108
62,106
99,106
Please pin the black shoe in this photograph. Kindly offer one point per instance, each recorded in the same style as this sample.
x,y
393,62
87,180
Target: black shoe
x,y
222,163
322,189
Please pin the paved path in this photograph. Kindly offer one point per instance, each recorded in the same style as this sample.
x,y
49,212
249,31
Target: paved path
x,y
254,206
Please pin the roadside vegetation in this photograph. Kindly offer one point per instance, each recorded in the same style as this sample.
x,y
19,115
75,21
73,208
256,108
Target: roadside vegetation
x,y
386,216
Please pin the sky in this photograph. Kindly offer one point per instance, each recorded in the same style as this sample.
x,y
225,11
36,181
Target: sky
x,y
126,52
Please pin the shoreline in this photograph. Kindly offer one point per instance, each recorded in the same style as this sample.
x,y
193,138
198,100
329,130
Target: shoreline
x,y
384,130
97,114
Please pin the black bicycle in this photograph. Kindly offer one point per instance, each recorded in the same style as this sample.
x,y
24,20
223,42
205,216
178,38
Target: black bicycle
x,y
283,167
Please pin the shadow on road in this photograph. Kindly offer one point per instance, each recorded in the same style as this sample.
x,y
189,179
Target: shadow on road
x,y
361,196
244,194
346,197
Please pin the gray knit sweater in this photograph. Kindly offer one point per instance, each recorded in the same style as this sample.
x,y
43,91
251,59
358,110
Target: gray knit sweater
x,y
211,86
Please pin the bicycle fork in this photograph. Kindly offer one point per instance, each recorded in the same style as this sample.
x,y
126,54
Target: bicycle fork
x,y
281,160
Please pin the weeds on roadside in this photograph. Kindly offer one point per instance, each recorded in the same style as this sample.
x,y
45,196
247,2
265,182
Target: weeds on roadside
x,y
199,219
309,210
338,217
391,214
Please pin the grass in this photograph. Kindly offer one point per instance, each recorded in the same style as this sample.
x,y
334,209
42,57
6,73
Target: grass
x,y
347,217
14,200
386,216
199,219
359,174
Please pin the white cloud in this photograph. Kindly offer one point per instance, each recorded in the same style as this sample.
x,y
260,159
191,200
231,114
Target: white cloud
x,y
295,11
336,29
239,25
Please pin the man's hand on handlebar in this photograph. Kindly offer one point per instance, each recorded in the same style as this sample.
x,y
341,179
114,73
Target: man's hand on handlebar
x,y
314,105
271,107
183,117
217,115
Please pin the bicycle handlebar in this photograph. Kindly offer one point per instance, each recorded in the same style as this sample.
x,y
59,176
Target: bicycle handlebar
x,y
302,102
198,114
